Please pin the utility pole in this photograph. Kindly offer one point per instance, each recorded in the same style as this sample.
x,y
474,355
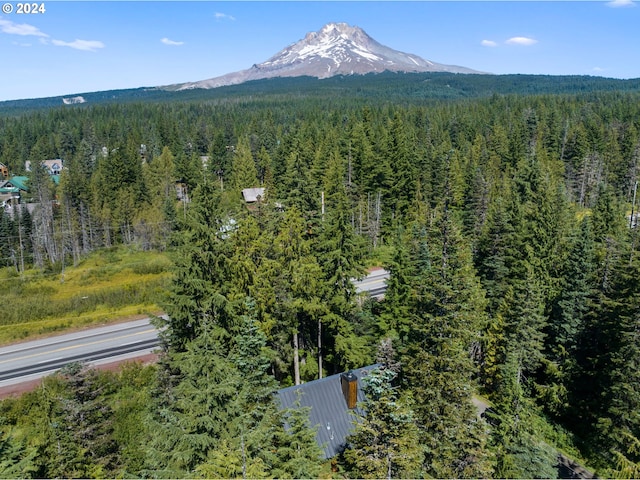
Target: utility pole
x,y
634,228
20,240
633,205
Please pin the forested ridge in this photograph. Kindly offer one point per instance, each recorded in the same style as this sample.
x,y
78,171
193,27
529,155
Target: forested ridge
x,y
385,86
504,220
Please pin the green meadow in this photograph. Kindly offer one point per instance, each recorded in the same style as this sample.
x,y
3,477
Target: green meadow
x,y
109,285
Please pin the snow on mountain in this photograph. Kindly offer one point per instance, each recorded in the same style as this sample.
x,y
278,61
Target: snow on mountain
x,y
336,49
73,100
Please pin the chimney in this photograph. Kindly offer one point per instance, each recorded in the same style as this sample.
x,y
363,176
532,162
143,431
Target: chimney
x,y
349,384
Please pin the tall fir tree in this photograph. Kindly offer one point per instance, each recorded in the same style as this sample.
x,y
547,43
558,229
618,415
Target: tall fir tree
x,y
244,173
197,293
385,440
444,337
340,253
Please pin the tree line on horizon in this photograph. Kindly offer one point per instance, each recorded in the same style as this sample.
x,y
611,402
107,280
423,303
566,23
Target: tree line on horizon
x,y
504,223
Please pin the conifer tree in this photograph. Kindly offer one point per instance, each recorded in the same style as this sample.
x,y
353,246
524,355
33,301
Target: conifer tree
x,y
299,455
296,186
243,173
16,459
395,310
603,394
448,318
567,322
223,419
398,153
385,441
8,241
520,450
160,176
92,419
340,253
266,174
572,304
298,287
493,247
197,294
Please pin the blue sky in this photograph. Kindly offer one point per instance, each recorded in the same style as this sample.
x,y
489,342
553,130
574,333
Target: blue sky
x,y
80,46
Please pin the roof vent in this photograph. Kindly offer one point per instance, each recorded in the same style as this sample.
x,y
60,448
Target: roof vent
x,y
349,384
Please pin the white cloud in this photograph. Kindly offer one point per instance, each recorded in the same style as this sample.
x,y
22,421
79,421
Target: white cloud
x,y
167,41
525,41
488,43
620,3
7,26
223,16
86,45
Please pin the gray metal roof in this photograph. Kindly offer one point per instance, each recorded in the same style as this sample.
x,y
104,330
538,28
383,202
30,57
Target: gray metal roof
x,y
251,194
328,408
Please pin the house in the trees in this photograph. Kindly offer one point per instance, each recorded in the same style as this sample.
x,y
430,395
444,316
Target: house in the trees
x,y
332,400
253,195
8,195
54,167
11,190
4,171
19,182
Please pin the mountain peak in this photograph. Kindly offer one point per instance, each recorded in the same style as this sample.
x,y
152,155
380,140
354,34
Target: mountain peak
x,y
330,27
335,49
340,29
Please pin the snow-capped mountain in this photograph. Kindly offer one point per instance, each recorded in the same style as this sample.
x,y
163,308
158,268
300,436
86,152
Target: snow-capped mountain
x,y
336,49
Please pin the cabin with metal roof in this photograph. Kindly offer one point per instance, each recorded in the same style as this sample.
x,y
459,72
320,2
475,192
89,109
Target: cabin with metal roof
x,y
333,400
252,195
21,183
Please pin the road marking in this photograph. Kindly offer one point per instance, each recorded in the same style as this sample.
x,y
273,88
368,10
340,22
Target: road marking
x,y
48,352
52,360
362,286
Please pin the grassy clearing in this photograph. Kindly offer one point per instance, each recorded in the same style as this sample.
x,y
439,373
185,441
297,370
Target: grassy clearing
x,y
108,285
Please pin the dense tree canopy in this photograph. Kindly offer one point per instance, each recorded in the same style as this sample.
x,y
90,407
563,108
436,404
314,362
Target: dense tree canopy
x,y
503,220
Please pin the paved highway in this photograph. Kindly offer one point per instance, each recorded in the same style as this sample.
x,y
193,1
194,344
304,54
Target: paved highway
x,y
374,283
32,360
35,359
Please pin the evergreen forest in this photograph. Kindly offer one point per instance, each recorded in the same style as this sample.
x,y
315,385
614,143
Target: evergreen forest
x,y
506,218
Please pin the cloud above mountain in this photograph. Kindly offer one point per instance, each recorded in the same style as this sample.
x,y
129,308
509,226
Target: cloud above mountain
x,y
11,28
167,41
524,41
223,16
519,41
620,3
24,29
86,45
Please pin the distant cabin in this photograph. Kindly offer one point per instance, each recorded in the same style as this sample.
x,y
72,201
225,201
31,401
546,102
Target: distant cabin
x,y
253,195
19,183
54,167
